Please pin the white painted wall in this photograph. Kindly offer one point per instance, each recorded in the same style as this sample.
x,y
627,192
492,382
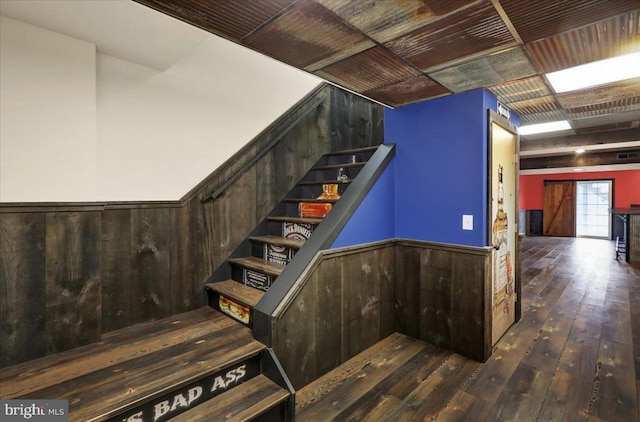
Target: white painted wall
x,y
47,115
133,131
161,133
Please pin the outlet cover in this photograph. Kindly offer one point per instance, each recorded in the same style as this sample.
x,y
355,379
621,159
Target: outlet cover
x,y
467,222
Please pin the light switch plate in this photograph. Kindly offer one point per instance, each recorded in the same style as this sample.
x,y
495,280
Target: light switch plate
x,y
467,222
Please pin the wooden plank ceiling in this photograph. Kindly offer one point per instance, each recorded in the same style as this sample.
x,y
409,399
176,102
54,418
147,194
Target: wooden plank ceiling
x,y
399,52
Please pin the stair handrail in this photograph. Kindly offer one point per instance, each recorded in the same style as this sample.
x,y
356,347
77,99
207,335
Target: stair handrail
x,y
281,134
323,236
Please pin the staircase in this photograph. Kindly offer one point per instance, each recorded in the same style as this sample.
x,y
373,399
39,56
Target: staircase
x,y
196,366
239,283
200,365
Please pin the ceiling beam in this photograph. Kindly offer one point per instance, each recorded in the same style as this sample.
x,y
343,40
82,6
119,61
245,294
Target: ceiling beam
x,y
599,138
614,146
582,160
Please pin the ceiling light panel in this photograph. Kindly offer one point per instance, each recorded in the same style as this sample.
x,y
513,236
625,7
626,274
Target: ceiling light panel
x,y
544,128
596,73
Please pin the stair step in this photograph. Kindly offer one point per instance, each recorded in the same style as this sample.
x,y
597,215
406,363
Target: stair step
x,y
237,292
257,264
137,367
297,220
326,182
243,403
279,241
337,166
313,200
354,150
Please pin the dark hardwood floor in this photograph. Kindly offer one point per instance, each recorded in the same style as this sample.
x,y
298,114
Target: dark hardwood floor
x,y
574,355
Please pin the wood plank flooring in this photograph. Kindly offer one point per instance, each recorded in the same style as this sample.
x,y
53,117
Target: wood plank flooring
x,y
133,365
574,355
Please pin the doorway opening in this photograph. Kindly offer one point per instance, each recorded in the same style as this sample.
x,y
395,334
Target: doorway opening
x,y
593,202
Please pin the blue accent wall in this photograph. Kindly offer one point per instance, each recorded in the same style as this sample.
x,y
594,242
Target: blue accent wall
x,y
441,167
374,218
438,175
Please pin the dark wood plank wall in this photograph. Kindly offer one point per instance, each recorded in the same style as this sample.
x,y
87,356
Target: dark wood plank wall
x,y
344,305
634,238
353,297
22,286
70,272
72,279
443,296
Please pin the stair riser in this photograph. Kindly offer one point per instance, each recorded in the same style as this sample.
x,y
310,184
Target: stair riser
x,y
184,398
297,231
275,414
334,174
252,278
313,191
274,253
356,157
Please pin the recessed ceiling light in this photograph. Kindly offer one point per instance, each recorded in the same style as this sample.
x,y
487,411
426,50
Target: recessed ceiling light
x,y
579,150
544,127
596,73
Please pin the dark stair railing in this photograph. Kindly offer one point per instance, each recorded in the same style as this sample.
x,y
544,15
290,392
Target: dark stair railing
x,y
237,286
322,238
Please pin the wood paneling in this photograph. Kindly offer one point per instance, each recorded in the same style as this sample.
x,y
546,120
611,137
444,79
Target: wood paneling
x,y
634,239
442,296
69,272
73,291
407,298
354,123
470,299
150,247
351,298
22,287
338,312
116,269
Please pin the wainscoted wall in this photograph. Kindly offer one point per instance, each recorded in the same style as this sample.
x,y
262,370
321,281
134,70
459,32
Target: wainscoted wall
x,y
352,297
70,272
343,305
443,296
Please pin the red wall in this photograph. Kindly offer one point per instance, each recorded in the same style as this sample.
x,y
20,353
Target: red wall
x,y
626,186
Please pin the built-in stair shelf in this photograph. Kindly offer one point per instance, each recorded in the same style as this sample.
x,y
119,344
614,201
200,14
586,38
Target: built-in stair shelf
x,y
241,282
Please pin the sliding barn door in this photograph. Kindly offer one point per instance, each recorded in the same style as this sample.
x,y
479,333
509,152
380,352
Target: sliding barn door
x,y
559,214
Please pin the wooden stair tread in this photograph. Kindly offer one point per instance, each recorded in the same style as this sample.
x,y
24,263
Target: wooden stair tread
x,y
337,166
13,375
236,291
297,220
103,384
353,150
242,403
117,346
313,200
258,264
326,182
279,241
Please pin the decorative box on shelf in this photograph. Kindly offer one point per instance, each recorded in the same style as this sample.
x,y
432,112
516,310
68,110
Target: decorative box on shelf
x,y
319,208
